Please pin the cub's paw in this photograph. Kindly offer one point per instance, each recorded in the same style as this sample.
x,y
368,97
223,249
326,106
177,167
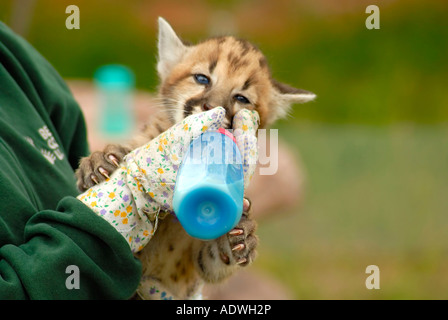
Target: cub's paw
x,y
99,166
218,259
241,242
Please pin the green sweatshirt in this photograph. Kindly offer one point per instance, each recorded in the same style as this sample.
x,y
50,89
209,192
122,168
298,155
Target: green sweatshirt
x,y
44,229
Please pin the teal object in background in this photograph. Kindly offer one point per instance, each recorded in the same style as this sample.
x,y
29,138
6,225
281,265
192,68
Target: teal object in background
x,y
208,196
115,85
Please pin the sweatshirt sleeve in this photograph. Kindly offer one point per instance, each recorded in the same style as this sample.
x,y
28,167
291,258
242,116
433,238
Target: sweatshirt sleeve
x,y
68,253
51,245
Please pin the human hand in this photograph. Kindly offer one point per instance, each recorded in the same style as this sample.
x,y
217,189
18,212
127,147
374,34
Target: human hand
x,y
132,197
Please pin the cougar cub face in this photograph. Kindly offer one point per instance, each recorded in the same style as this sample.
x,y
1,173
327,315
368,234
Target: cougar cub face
x,y
222,71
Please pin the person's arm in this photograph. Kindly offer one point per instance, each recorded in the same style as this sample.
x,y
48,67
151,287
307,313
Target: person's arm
x,y
59,243
43,233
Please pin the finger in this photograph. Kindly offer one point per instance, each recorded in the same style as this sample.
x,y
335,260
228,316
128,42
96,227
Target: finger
x,y
180,135
188,129
245,125
245,122
195,125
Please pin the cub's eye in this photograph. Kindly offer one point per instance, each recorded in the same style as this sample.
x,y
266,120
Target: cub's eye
x,y
201,79
241,99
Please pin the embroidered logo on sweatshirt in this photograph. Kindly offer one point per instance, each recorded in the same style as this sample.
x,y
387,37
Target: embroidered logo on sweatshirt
x,y
54,152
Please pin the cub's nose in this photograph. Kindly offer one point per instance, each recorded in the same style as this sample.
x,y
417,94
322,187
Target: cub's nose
x,y
206,107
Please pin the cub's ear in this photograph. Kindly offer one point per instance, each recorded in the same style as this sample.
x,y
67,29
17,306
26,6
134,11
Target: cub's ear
x,y
171,49
284,96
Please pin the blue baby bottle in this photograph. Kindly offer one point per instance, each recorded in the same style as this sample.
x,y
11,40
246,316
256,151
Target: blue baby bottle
x,y
208,196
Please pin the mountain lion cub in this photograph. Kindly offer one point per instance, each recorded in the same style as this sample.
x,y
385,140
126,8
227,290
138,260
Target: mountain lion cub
x,y
222,71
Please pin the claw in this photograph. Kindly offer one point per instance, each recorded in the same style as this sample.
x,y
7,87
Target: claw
x,y
114,160
241,261
104,172
238,247
236,232
224,258
246,205
94,178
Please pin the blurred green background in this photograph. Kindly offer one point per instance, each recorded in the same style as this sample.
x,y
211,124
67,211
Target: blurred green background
x,y
374,144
